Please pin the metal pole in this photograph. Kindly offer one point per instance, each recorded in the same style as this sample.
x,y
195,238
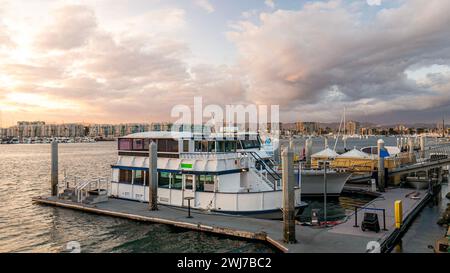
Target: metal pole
x,y
325,193
189,208
384,219
54,168
356,217
288,196
153,176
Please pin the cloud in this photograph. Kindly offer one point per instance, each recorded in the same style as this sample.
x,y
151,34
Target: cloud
x,y
205,4
328,57
270,3
113,74
374,2
71,28
136,68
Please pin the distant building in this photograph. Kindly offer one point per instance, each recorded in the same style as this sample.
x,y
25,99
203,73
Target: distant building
x,y
307,128
401,129
352,127
366,131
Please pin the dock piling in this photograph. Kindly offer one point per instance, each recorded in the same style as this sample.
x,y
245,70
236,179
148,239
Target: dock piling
x,y
288,196
411,150
153,177
381,178
308,151
54,168
422,146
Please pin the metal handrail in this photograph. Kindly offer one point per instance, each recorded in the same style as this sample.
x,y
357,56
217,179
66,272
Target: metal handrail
x,y
269,169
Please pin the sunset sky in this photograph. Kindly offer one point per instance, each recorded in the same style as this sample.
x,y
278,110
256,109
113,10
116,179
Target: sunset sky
x,y
132,61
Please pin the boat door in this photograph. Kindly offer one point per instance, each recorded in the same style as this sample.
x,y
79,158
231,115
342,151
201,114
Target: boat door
x,y
188,189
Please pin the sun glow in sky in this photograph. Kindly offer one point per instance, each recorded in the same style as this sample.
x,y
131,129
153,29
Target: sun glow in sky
x,y
132,61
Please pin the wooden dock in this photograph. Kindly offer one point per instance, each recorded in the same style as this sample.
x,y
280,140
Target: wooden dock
x,y
340,238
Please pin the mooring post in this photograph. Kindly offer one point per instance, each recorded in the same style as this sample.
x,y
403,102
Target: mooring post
x,y
153,176
308,151
288,196
381,178
411,150
54,168
422,146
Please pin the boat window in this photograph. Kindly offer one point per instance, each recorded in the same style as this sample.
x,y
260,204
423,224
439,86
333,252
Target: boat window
x,y
211,146
201,146
168,145
138,144
177,182
230,146
138,178
186,146
205,183
125,176
164,179
220,146
125,144
200,182
172,146
250,144
188,182
209,183
239,145
198,146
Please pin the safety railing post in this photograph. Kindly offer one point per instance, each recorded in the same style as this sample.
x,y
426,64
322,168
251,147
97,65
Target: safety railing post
x,y
356,217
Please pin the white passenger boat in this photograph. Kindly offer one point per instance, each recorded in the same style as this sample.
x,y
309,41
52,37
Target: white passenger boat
x,y
222,172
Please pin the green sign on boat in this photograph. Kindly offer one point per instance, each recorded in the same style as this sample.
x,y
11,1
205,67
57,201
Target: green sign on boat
x,y
186,166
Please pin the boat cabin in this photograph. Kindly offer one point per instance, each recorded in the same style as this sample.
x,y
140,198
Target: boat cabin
x,y
213,168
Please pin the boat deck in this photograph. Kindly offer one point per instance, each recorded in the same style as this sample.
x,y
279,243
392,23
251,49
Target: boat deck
x,y
341,238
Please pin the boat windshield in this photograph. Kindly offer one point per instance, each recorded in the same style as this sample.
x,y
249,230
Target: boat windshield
x,y
250,144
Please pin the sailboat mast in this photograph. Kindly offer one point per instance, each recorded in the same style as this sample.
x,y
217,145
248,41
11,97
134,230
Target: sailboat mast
x,y
443,128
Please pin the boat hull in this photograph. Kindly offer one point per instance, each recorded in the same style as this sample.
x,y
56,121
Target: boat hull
x,y
312,184
417,182
275,214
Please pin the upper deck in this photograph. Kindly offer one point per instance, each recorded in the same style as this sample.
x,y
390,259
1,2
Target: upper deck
x,y
172,144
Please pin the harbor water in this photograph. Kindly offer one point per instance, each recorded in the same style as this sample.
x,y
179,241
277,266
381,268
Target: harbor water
x,y
26,227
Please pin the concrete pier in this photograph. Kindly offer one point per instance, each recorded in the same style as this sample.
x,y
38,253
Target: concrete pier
x,y
54,168
342,238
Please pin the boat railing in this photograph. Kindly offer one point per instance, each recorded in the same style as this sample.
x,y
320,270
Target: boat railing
x,y
81,187
205,155
99,185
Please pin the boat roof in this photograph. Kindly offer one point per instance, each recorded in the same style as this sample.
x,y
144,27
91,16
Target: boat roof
x,y
184,135
355,154
326,153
